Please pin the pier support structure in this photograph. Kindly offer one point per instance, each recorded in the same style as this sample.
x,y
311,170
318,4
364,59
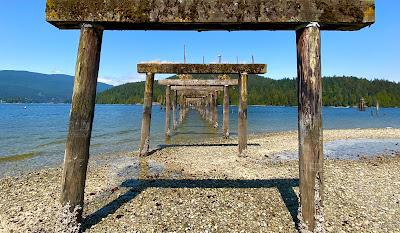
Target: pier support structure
x,y
81,118
310,125
146,120
280,16
242,114
226,112
174,107
168,111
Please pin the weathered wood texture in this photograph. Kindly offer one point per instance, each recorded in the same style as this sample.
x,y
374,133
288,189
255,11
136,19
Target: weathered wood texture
x,y
168,111
226,112
81,118
174,105
242,114
198,82
197,88
210,14
215,110
310,124
147,105
174,68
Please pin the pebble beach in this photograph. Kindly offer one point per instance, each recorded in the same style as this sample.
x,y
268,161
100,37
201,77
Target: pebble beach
x,y
209,188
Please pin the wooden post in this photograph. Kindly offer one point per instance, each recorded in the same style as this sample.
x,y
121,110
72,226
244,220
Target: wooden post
x,y
167,111
215,110
147,104
242,115
310,126
181,109
81,118
211,109
226,112
174,109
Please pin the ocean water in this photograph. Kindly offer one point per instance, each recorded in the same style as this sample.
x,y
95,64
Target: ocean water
x,y
33,135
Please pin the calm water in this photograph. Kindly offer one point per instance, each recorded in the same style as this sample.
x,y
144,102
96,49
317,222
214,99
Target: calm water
x,y
34,137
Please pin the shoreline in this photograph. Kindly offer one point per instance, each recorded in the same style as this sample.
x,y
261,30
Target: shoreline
x,y
190,188
369,133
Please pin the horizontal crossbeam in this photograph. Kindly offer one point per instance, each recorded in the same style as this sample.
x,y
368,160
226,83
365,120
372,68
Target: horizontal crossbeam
x,y
198,82
195,93
174,68
197,88
211,14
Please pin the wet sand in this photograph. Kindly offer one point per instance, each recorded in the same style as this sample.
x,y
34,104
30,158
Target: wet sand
x,y
208,188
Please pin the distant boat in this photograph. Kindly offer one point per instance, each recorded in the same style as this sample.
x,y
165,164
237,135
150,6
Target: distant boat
x,y
24,107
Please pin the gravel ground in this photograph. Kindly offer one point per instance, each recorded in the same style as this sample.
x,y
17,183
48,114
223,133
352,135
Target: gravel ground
x,y
211,189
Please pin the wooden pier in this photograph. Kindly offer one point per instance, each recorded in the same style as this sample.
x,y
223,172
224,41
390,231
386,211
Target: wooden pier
x,y
207,90
306,17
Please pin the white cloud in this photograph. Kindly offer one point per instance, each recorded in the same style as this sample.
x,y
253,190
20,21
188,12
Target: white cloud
x,y
56,71
115,81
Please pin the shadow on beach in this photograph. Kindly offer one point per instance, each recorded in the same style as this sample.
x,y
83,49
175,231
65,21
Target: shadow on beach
x,y
136,186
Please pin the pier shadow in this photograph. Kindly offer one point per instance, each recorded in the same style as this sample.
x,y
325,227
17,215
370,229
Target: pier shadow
x,y
161,147
136,186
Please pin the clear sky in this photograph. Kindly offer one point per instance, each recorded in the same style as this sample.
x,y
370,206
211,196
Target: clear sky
x,y
28,42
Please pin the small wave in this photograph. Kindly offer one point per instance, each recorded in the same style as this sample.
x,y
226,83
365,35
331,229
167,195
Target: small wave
x,y
52,143
18,157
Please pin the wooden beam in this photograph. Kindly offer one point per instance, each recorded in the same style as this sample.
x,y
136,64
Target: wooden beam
x,y
210,14
242,114
194,93
226,112
197,88
198,82
81,118
167,111
174,68
310,126
147,105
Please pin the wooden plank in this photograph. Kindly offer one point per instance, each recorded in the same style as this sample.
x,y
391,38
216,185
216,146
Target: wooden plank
x,y
198,82
197,88
175,68
226,112
168,111
81,119
210,14
147,105
310,126
242,114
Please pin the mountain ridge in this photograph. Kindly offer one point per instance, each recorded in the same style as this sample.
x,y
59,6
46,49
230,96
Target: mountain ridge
x,y
32,87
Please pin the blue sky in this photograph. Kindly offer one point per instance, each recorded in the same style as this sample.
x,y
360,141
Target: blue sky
x,y
28,42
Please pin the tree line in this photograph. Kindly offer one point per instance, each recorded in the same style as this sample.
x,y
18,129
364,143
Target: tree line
x,y
337,91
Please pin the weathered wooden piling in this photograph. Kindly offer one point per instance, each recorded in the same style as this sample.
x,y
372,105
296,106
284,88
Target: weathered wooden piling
x,y
168,111
214,117
174,109
361,105
215,112
310,125
212,109
147,105
81,118
226,112
242,114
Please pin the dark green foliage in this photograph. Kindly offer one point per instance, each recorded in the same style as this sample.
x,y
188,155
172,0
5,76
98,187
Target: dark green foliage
x,y
27,87
337,91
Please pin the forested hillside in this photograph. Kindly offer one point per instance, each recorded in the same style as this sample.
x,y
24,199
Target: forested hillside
x,y
29,87
338,91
